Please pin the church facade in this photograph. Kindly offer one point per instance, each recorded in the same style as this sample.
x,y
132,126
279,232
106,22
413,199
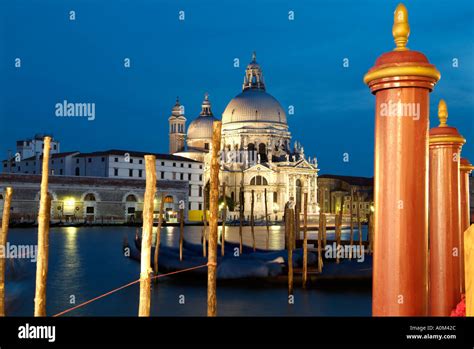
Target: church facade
x,y
258,163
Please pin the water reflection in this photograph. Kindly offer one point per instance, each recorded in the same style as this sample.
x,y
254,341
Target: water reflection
x,y
89,261
70,246
170,235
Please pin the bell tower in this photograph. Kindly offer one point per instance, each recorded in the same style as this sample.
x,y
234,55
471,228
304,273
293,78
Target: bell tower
x,y
177,130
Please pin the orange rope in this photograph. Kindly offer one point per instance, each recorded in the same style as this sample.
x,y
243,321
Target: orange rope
x,y
125,286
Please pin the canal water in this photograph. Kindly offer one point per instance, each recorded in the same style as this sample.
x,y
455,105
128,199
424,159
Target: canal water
x,y
85,262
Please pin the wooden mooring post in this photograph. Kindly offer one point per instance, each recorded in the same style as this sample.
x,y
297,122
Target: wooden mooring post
x,y
213,221
400,278
43,234
3,242
266,221
252,221
181,232
370,227
445,144
147,232
305,240
224,218
359,222
290,215
351,212
287,228
296,226
241,218
338,231
204,226
468,237
320,241
158,235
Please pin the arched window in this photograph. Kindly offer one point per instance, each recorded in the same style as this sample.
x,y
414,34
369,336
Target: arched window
x,y
251,152
131,198
89,197
258,180
262,151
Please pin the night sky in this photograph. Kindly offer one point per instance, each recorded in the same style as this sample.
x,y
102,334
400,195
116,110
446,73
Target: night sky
x,y
302,62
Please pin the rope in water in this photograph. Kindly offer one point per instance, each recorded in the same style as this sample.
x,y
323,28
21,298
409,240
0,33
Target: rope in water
x,y
125,286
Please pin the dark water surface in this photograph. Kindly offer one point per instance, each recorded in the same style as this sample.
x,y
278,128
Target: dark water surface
x,y
86,262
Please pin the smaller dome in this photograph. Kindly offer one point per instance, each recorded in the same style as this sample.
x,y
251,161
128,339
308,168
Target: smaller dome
x,y
202,126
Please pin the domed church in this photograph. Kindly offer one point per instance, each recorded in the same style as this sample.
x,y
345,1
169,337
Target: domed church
x,y
255,150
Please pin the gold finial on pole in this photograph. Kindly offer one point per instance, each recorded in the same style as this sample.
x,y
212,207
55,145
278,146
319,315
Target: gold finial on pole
x,y
401,28
442,113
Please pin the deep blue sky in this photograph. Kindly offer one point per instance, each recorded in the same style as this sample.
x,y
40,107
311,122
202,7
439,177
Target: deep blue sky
x,y
82,61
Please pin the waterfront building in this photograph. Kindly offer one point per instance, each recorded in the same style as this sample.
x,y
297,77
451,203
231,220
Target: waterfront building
x,y
334,191
116,164
256,152
89,199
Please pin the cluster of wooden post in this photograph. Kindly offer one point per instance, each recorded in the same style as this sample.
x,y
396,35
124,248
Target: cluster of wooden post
x,y
446,255
405,186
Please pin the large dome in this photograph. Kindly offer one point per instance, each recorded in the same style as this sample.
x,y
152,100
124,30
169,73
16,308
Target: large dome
x,y
254,105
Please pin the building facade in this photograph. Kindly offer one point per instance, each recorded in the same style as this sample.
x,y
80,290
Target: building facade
x,y
89,199
256,152
119,164
340,191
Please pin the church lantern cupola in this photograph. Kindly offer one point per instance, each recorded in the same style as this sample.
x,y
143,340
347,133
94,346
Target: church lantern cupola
x,y
253,76
206,106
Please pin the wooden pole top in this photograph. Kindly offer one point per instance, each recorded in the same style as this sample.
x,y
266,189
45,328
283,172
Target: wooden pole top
x,y
444,134
401,61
